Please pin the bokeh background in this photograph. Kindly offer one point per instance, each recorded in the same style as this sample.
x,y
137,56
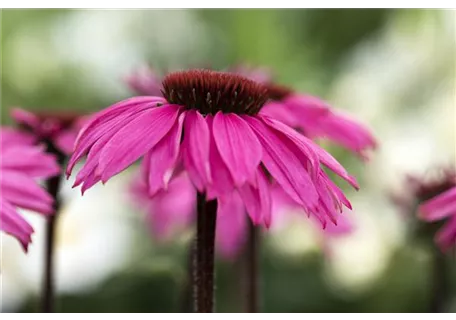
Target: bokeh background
x,y
394,70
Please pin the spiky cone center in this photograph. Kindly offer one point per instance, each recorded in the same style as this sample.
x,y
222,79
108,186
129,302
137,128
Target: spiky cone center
x,y
277,92
210,92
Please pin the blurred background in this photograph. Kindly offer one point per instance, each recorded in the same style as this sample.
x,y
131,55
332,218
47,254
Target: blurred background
x,y
394,70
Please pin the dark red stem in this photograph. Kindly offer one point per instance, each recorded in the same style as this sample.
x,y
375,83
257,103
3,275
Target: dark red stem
x,y
203,262
53,186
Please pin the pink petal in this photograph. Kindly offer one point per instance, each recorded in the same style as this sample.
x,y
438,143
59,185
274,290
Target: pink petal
x,y
12,223
12,137
257,200
337,192
221,179
440,206
22,191
162,158
26,118
280,160
344,226
30,160
231,225
446,237
297,111
195,149
91,164
135,139
305,150
324,157
238,146
348,132
108,122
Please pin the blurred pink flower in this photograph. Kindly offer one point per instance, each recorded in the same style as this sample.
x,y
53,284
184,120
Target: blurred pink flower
x,y
435,198
440,207
208,125
316,119
21,163
59,128
174,209
145,81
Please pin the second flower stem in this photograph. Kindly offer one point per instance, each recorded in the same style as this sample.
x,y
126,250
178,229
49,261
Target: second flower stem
x,y
203,268
53,186
251,257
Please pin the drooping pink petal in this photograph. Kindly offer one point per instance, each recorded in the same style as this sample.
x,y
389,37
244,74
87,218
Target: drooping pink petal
x,y
298,111
13,224
135,139
195,149
324,157
283,164
26,118
22,191
337,192
440,206
30,160
231,225
346,132
91,164
446,237
237,145
162,158
108,122
221,179
344,226
257,199
10,138
280,111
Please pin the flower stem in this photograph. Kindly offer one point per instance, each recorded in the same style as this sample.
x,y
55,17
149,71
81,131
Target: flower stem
x,y
440,283
203,262
251,269
53,186
186,294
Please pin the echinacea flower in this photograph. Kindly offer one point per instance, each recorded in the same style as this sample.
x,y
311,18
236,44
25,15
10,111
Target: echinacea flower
x,y
21,165
61,129
145,81
316,119
442,206
435,198
208,125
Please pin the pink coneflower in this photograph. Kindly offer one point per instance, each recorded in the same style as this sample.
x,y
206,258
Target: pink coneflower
x,y
21,165
434,198
208,125
57,131
438,208
316,119
60,129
